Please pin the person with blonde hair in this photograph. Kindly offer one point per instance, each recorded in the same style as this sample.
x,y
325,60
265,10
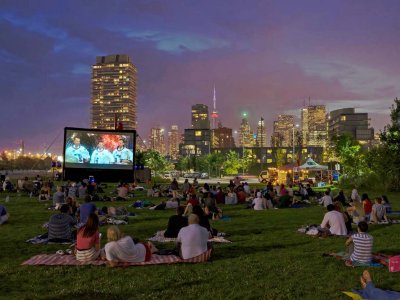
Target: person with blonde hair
x,y
121,248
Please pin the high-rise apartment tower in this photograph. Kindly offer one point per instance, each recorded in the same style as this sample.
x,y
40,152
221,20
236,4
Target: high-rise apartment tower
x,y
113,92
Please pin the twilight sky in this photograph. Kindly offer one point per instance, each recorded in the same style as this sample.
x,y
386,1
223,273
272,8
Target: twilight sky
x,y
265,57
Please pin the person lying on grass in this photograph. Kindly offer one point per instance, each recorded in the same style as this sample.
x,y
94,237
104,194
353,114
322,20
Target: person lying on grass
x,y
371,292
360,246
122,248
192,239
87,246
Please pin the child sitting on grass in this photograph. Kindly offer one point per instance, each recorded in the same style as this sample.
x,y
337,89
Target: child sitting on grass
x,y
360,246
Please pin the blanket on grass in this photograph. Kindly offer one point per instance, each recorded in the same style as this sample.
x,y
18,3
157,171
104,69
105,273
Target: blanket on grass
x,y
70,260
43,239
378,259
161,239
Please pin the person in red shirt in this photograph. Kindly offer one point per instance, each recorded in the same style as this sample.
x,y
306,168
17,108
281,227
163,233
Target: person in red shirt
x,y
88,240
241,196
367,205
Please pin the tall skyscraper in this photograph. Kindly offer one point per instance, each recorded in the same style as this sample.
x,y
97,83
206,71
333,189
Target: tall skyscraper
x,y
282,135
173,142
214,114
113,92
156,140
314,125
200,118
246,138
261,139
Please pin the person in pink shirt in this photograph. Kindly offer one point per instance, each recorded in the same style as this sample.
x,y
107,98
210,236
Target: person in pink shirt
x,y
87,246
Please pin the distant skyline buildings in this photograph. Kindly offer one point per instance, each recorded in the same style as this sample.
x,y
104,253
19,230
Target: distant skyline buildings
x,y
156,140
200,117
282,134
174,139
246,138
113,100
314,125
261,138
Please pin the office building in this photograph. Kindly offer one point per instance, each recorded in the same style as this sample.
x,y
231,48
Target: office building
x,y
261,138
282,135
222,138
314,126
200,119
156,140
347,121
113,93
246,138
173,142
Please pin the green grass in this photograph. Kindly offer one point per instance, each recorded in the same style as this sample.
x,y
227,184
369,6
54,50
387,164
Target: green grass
x,y
267,259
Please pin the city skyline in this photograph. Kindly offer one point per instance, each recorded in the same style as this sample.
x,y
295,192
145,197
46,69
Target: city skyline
x,y
264,57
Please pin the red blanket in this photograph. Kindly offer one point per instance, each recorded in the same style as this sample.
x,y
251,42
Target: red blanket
x,y
69,260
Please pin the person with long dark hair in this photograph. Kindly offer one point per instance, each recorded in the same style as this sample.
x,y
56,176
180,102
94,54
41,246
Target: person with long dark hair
x,y
88,240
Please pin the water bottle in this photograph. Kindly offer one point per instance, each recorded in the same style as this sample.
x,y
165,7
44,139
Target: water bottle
x,y
30,195
7,198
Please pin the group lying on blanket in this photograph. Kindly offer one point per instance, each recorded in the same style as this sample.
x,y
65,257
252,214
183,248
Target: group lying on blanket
x,y
191,242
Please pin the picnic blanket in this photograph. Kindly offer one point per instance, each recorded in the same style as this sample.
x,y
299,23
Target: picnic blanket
x,y
158,237
378,259
43,239
70,260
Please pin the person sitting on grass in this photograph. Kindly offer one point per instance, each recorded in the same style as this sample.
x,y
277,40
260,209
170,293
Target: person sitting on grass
x,y
88,240
172,203
356,211
60,226
175,223
192,239
86,209
45,192
326,199
360,246
3,215
367,205
378,213
385,202
58,197
333,222
371,292
259,203
122,248
204,220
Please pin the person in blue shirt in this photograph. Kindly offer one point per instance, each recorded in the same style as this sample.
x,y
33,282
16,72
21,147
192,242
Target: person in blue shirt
x,y
86,209
101,155
77,153
3,215
122,155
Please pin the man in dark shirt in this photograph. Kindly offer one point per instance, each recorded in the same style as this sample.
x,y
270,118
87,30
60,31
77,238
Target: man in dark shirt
x,y
60,226
175,223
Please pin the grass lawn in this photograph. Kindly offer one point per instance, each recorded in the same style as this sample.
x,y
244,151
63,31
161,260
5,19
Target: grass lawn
x,y
267,259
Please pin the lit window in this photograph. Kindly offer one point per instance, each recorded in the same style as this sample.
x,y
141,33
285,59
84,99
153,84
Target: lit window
x,y
343,118
197,133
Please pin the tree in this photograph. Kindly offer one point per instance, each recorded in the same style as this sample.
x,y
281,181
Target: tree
x,y
280,157
155,161
215,162
390,138
232,163
350,155
247,160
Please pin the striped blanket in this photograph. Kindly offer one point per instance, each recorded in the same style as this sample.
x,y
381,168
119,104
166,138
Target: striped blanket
x,y
70,260
161,239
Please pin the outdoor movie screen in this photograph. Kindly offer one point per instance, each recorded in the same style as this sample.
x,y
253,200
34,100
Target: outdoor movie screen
x,y
99,149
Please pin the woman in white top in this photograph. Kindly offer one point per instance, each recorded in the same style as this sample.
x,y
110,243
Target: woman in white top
x,y
259,203
123,249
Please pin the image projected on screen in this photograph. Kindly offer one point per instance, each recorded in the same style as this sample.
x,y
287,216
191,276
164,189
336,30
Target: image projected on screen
x,y
99,150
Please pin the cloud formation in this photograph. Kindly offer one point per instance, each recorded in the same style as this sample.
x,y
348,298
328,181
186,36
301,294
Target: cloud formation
x,y
265,57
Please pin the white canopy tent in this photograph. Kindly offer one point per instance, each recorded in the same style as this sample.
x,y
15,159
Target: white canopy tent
x,y
310,164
